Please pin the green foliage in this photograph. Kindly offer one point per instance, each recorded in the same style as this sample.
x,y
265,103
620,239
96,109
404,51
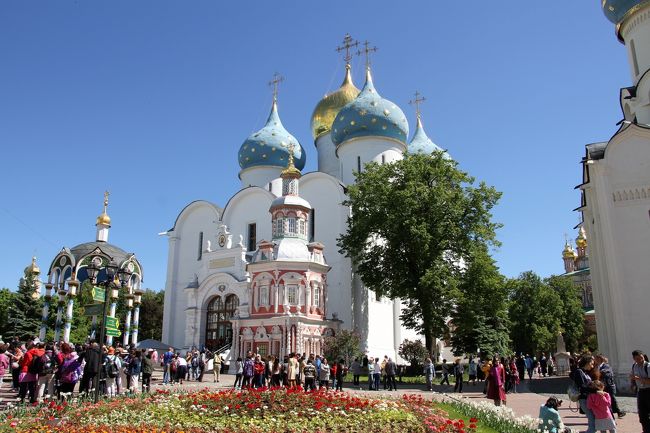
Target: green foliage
x,y
151,315
413,351
480,319
540,310
344,345
6,301
24,314
411,221
572,318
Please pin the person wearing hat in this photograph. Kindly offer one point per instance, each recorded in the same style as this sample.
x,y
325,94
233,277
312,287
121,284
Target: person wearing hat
x,y
113,368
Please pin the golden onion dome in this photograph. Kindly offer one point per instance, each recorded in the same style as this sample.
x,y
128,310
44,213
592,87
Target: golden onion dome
x,y
328,107
104,219
33,268
568,252
581,240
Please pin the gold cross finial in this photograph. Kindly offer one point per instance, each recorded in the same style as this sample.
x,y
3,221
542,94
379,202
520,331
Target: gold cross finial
x,y
106,194
417,101
291,147
367,50
348,43
566,239
277,79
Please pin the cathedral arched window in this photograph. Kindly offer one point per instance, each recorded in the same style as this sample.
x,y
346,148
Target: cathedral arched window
x,y
301,227
263,299
292,294
292,226
280,226
316,296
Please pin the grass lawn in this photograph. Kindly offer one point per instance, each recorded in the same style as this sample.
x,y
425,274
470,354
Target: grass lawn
x,y
455,414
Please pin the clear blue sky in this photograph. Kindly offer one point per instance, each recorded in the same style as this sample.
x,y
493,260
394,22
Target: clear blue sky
x,y
152,99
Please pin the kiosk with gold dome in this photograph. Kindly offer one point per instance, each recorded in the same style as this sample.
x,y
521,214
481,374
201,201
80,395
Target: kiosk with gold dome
x,y
70,269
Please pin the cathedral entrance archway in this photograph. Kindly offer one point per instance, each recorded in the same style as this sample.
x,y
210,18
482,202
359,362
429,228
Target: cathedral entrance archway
x,y
219,321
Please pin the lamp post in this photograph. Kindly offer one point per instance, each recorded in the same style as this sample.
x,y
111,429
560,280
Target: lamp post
x,y
124,275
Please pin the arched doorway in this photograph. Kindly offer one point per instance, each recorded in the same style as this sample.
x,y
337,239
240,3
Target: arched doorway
x,y
218,325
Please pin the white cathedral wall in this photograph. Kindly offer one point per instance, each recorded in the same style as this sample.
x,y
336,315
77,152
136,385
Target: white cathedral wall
x,y
365,150
249,206
619,204
325,194
328,162
261,176
381,332
183,264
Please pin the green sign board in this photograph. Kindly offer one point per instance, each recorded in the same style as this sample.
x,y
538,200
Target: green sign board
x,y
112,322
99,294
113,332
94,310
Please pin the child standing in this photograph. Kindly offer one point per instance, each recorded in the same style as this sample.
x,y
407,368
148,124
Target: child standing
x,y
600,404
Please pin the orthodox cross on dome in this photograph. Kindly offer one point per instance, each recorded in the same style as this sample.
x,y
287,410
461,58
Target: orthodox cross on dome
x,y
106,194
290,148
417,101
348,43
367,49
275,82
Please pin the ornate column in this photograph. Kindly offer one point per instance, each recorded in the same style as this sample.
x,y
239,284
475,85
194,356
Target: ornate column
x,y
59,315
46,311
72,292
113,308
276,297
136,318
127,322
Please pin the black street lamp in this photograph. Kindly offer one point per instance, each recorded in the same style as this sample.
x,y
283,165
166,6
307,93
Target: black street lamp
x,y
124,275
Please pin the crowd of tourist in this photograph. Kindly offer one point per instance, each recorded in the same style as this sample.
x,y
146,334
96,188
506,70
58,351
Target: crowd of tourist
x,y
42,370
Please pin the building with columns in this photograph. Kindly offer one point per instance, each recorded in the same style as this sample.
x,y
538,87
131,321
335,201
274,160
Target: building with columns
x,y
68,271
235,281
615,201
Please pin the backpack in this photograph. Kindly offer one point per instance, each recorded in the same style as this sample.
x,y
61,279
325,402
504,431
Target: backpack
x,y
111,369
195,361
35,365
70,373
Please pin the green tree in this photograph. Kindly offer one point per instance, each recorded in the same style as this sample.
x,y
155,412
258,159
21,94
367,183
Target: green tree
x,y
25,311
411,221
151,315
535,313
6,301
413,351
343,345
572,319
480,317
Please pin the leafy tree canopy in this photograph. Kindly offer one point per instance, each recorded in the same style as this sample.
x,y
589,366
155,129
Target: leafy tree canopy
x,y
480,318
411,222
344,345
413,351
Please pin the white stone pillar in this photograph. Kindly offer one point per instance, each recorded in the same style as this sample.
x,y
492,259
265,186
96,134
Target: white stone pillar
x,y
127,328
46,310
59,316
109,339
68,319
134,327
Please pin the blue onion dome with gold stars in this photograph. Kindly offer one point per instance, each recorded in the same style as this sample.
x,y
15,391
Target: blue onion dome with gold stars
x,y
421,143
270,145
370,115
617,10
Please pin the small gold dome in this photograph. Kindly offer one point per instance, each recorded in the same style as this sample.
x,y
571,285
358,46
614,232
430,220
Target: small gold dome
x,y
328,107
103,219
581,240
568,252
33,268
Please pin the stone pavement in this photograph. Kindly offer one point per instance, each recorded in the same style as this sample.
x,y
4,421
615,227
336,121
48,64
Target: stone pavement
x,y
525,402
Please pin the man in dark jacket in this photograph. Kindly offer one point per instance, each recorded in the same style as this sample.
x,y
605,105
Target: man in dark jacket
x,y
390,369
147,371
92,357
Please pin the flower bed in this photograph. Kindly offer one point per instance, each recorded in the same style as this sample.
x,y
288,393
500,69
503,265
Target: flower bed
x,y
500,418
263,410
